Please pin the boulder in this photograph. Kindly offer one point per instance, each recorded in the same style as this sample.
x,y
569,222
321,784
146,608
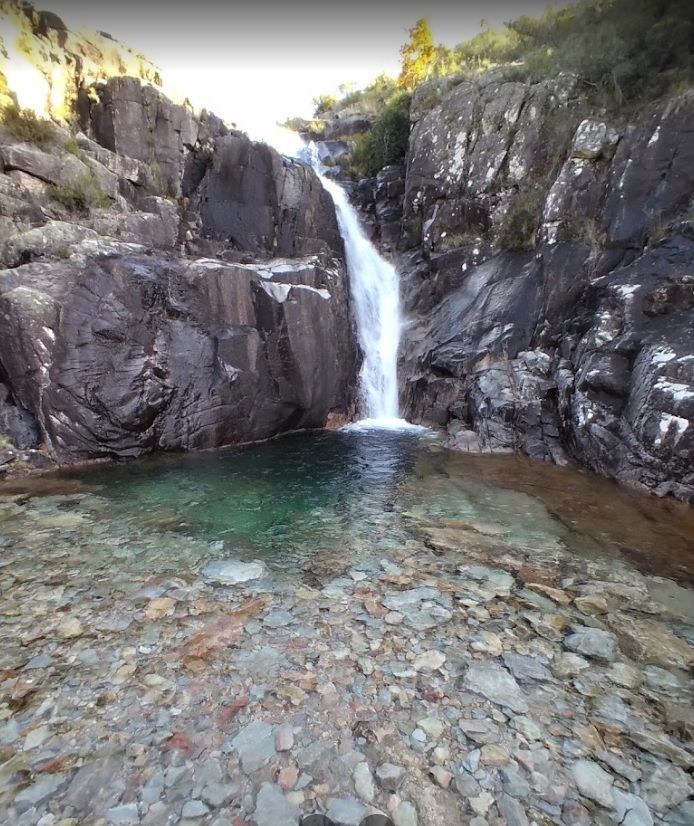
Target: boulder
x,y
126,353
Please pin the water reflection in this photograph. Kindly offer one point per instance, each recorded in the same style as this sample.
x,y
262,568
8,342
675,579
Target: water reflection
x,y
360,491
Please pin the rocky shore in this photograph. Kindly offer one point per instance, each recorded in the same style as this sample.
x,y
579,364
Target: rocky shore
x,y
441,674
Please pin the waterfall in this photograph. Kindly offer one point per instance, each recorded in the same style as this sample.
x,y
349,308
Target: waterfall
x,y
375,293
374,288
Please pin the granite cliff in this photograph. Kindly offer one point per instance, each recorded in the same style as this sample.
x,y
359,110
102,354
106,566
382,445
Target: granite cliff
x,y
166,282
546,252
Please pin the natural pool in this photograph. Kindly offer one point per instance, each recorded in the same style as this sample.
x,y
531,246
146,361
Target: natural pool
x,y
436,636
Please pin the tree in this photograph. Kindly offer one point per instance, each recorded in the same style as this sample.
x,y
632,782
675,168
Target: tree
x,y
418,55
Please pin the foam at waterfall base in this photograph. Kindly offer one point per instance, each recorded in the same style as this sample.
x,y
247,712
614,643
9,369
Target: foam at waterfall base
x,y
384,424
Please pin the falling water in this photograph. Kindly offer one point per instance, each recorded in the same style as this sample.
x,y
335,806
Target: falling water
x,y
374,288
375,297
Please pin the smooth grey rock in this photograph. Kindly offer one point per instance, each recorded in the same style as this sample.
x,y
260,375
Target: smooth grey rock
x,y
217,795
194,809
39,792
390,777
405,814
255,744
630,810
496,684
664,786
126,815
347,812
513,782
526,668
592,642
363,782
512,811
273,809
593,782
233,571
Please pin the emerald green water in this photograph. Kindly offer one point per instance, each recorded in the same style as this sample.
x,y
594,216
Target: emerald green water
x,y
353,494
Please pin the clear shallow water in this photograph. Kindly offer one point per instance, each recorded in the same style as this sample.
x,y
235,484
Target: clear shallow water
x,y
350,493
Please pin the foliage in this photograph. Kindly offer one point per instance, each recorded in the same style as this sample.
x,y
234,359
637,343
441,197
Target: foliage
x,y
370,101
74,148
81,194
522,221
418,55
24,124
386,142
324,103
618,49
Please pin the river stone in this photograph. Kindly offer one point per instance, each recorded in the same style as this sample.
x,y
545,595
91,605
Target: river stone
x,y
496,684
405,815
347,812
651,643
390,777
431,726
273,809
255,744
427,618
126,815
512,811
630,810
363,782
568,665
526,668
498,580
194,809
593,782
232,571
38,793
592,642
664,786
429,661
409,599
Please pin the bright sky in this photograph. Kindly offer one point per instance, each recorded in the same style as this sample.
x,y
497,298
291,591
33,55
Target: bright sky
x,y
260,62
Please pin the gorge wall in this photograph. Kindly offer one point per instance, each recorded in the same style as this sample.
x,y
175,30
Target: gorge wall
x,y
547,260
165,283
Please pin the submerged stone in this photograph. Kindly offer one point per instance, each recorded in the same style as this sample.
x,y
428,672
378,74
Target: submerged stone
x,y
232,571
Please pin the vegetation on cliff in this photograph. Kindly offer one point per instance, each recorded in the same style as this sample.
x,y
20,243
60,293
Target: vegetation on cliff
x,y
621,52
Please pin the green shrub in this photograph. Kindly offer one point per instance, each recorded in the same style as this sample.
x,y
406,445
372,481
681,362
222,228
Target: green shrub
x,y
24,124
386,142
74,148
81,195
522,221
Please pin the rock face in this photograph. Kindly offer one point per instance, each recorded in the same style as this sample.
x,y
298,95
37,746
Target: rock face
x,y
546,258
167,284
116,352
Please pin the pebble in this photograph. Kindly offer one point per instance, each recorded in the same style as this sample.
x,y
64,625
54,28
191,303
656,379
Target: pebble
x,y
403,681
405,814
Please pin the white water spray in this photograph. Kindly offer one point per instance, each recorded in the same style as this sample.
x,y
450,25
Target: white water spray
x,y
375,295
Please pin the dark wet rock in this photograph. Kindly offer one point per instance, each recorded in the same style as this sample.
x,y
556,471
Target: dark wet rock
x,y
578,345
139,322
262,202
